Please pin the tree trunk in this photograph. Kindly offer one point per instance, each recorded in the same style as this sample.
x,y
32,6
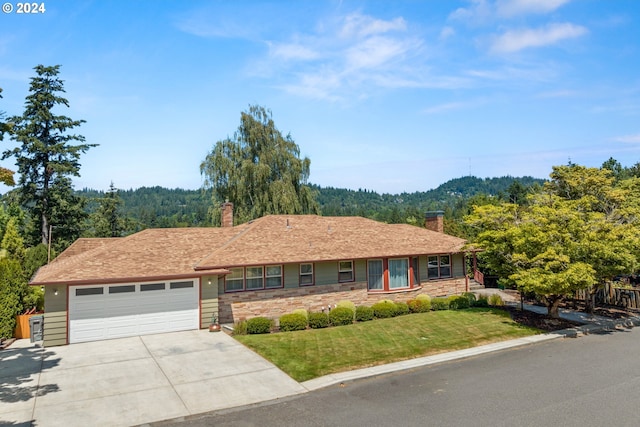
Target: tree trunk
x,y
553,307
590,302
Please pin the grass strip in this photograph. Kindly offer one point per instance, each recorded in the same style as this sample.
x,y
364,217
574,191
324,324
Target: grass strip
x,y
308,354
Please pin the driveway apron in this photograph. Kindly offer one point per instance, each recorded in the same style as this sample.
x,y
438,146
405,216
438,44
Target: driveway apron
x,y
133,381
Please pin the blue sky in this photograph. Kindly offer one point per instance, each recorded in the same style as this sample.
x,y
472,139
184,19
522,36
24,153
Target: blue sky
x,y
389,96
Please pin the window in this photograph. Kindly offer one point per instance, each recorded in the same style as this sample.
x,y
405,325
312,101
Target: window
x,y
398,273
433,272
180,285
445,266
152,287
254,278
122,289
274,276
439,266
345,271
235,280
89,291
306,274
375,276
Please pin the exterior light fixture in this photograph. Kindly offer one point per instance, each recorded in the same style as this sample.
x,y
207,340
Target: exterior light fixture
x,y
55,292
209,282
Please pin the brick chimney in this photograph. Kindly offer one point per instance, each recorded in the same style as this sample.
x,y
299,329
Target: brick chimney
x,y
434,221
227,214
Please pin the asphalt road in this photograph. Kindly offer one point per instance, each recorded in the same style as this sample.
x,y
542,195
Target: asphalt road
x,y
588,381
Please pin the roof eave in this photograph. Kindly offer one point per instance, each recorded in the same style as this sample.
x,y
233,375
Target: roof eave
x,y
97,281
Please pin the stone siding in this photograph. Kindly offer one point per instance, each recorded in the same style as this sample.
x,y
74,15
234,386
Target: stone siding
x,y
273,303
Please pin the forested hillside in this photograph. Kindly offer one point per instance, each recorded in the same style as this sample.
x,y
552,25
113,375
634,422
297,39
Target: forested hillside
x,y
162,207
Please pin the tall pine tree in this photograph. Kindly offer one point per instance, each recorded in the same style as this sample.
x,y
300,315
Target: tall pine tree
x,y
46,156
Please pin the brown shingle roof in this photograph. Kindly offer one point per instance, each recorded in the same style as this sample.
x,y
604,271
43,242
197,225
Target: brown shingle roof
x,y
274,239
298,238
85,244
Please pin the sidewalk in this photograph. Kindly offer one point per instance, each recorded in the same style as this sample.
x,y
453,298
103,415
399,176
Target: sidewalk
x,y
591,324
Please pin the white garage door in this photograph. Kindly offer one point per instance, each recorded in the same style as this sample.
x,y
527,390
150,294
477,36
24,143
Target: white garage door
x,y
98,312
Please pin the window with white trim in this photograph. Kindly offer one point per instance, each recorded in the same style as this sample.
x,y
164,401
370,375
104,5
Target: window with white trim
x,y
235,280
306,274
273,276
254,278
345,271
398,273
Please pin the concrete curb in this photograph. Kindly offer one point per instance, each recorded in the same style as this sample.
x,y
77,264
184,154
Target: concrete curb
x,y
331,379
337,378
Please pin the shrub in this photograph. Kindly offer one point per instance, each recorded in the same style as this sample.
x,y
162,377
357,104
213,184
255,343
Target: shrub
x,y
440,304
419,305
458,302
318,320
259,325
240,328
383,309
364,313
495,300
423,297
482,301
401,309
293,322
301,311
348,304
341,316
471,297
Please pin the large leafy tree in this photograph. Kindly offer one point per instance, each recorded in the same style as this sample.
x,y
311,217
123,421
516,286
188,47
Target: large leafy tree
x,y
579,231
46,155
259,170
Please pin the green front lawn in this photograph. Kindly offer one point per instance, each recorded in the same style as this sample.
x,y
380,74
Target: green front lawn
x,y
313,353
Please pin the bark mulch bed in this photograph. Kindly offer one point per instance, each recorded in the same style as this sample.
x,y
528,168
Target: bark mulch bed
x,y
539,321
545,323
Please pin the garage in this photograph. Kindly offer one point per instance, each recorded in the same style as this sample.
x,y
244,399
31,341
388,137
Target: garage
x,y
99,312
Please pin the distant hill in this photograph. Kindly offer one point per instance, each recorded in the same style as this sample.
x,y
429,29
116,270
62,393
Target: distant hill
x,y
163,207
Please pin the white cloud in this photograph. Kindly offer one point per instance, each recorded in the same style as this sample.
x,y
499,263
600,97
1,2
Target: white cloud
x,y
292,51
509,8
452,106
446,32
348,57
629,139
516,40
557,94
377,51
478,12
357,25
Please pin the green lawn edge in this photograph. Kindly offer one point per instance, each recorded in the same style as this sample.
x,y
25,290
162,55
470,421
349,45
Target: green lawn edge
x,y
313,353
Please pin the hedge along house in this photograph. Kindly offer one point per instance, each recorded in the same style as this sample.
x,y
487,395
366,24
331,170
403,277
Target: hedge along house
x,y
162,280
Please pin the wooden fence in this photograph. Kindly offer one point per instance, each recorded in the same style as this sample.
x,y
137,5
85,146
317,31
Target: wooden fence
x,y
611,294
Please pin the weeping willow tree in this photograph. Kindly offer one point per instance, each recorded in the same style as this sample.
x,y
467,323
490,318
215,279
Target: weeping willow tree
x,y
259,170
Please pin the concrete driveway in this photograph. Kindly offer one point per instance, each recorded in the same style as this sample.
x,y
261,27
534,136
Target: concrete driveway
x,y
132,381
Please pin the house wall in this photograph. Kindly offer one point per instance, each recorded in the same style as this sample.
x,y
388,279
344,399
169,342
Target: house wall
x,y
55,315
273,303
208,300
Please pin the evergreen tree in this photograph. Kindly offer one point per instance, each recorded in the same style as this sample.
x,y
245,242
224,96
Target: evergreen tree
x,y
6,176
107,219
46,154
12,289
12,244
259,170
68,213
